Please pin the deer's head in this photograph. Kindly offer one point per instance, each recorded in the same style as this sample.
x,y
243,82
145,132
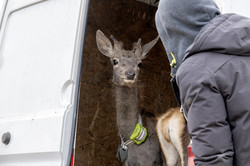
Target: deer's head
x,y
126,63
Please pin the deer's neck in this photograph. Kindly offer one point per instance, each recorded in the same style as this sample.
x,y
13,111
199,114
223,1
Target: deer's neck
x,y
126,109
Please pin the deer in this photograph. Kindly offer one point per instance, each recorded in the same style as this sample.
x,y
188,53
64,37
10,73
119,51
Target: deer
x,y
173,135
139,142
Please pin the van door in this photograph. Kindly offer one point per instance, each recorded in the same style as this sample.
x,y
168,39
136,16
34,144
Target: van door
x,y
40,59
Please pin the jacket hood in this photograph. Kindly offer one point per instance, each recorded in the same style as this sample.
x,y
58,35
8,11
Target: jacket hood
x,y
178,23
226,34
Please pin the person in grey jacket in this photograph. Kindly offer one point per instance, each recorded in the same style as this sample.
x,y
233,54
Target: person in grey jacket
x,y
209,54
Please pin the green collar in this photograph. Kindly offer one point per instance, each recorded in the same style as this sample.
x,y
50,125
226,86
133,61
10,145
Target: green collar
x,y
138,136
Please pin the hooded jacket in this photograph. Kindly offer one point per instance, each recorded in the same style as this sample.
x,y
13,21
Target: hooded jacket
x,y
212,53
214,83
178,23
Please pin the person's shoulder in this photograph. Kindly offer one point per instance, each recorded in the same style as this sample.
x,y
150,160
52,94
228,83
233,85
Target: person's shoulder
x,y
204,62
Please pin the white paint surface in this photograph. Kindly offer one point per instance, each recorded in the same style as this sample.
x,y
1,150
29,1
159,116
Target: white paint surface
x,y
40,43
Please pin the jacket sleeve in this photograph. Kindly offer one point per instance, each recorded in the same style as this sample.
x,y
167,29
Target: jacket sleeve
x,y
207,116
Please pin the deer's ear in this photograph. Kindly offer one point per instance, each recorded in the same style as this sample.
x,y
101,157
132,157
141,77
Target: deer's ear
x,y
103,43
147,47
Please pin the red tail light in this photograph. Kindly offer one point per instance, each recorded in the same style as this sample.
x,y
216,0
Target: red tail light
x,y
73,158
190,155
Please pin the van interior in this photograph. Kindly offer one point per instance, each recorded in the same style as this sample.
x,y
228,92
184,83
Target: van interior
x,y
127,20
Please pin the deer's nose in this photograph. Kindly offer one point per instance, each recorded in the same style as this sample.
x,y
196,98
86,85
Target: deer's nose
x,y
130,75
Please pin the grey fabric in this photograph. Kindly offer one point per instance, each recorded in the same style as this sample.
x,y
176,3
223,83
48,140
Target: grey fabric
x,y
214,82
179,21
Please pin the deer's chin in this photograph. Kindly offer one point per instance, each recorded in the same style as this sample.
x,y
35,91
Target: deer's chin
x,y
125,82
129,82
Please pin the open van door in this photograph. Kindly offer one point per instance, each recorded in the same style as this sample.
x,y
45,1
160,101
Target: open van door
x,y
40,59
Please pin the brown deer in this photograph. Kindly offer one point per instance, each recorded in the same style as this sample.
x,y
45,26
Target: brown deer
x,y
126,66
173,136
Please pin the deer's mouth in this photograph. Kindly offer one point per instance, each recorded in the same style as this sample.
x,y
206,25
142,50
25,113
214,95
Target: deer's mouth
x,y
127,81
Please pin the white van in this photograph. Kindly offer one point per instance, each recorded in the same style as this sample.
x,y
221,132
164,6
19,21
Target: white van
x,y
40,59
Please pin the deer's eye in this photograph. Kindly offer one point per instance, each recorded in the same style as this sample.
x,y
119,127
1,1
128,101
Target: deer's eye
x,y
140,65
115,62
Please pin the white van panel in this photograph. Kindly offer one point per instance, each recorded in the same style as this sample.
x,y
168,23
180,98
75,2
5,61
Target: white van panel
x,y
40,46
31,143
2,9
39,67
